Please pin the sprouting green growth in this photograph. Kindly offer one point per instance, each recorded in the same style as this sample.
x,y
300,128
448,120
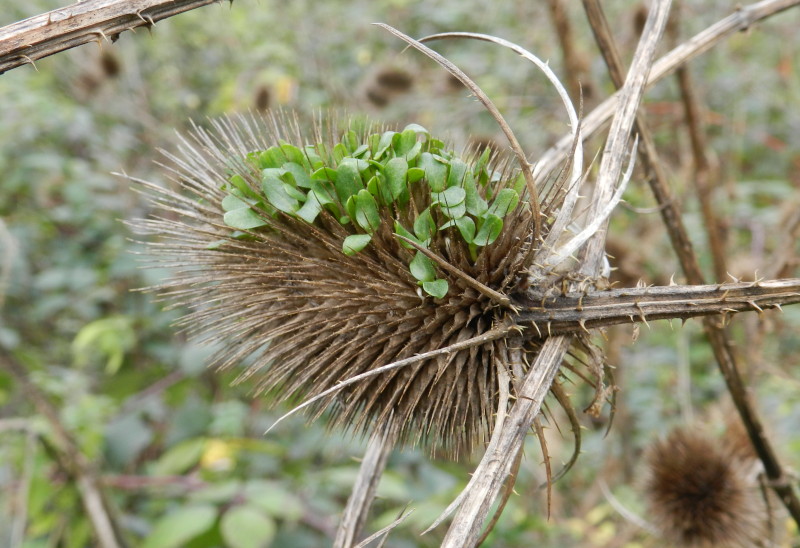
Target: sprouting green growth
x,y
363,182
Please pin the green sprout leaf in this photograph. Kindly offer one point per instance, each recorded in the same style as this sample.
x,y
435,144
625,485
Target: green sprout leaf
x,y
310,209
241,185
422,268
435,171
466,227
457,173
424,227
243,218
505,202
396,171
437,288
401,231
272,158
355,243
489,231
415,174
348,181
279,198
366,211
299,174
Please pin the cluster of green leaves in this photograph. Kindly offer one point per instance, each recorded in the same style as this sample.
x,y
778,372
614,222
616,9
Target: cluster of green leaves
x,y
362,182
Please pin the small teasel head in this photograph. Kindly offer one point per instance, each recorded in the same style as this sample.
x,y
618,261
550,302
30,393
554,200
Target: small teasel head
x,y
702,491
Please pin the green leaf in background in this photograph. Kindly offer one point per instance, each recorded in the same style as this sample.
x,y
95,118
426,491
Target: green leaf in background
x,y
489,231
177,528
435,171
355,243
437,288
274,498
107,338
243,218
422,268
247,527
180,458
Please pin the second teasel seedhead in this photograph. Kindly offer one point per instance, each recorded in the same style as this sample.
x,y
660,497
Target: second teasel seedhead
x,y
315,258
703,492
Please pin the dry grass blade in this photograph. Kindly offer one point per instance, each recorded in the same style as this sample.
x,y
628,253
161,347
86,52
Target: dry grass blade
x,y
492,335
575,156
533,194
493,295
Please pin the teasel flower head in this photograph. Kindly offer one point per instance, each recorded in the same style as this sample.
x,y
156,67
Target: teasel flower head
x,y
315,261
371,274
704,492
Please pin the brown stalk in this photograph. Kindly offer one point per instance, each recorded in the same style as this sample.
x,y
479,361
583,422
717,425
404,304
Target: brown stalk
x,y
369,475
574,65
72,461
87,21
497,464
739,20
720,343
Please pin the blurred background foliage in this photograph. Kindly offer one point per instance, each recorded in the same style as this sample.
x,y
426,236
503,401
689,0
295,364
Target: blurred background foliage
x,y
182,451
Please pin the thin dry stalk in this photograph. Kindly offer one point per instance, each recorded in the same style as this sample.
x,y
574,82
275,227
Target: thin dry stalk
x,y
575,72
358,504
86,21
70,458
720,342
467,524
741,19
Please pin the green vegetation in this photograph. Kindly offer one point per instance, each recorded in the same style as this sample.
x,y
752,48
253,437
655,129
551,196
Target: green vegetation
x,y
180,450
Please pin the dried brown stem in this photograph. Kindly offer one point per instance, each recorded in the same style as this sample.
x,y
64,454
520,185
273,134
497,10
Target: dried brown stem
x,y
714,329
87,21
369,475
740,20
574,66
497,464
70,458
575,312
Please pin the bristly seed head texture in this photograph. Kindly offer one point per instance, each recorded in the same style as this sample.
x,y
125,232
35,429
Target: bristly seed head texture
x,y
286,250
703,492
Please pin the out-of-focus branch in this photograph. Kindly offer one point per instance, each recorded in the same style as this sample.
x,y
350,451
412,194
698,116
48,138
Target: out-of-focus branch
x,y
86,21
71,459
739,20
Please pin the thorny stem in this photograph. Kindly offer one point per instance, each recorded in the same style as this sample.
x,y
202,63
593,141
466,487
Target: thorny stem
x,y
680,240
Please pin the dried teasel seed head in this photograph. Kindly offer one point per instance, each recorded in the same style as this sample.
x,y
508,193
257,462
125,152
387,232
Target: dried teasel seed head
x,y
300,253
395,80
703,492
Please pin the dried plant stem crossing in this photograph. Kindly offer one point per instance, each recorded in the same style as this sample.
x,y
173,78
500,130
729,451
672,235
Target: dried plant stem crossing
x,y
679,237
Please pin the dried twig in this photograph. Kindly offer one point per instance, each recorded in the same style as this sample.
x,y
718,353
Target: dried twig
x,y
80,23
740,20
681,243
360,500
71,460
